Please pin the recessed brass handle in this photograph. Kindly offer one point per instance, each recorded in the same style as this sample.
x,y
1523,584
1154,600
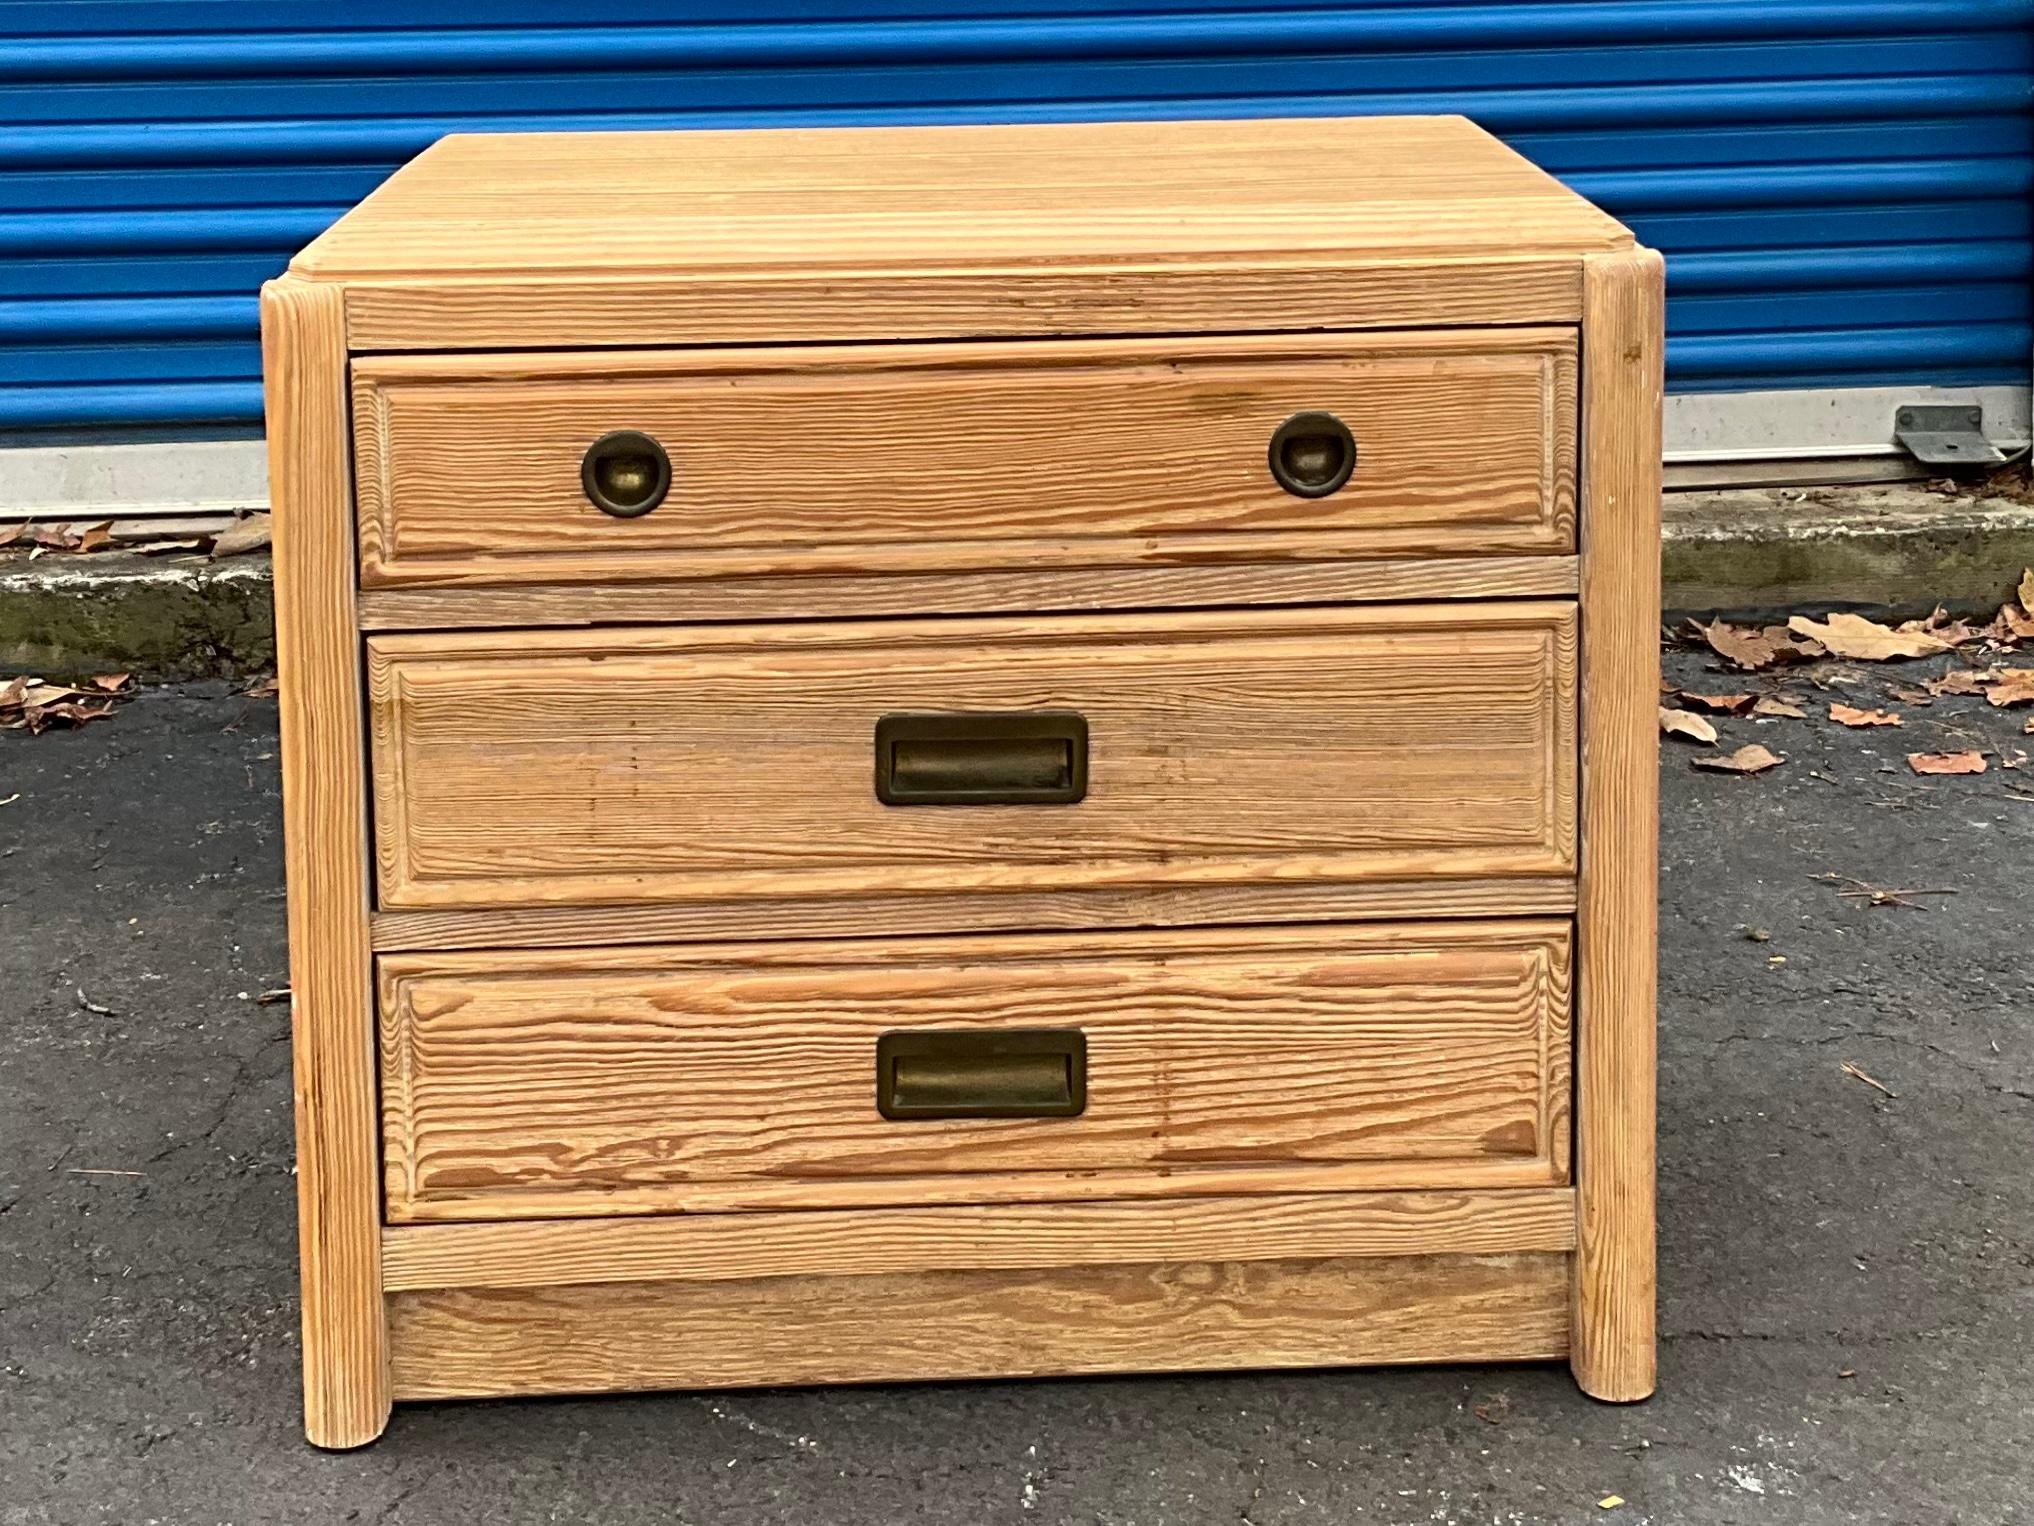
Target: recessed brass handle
x,y
982,1073
1312,454
625,473
1002,757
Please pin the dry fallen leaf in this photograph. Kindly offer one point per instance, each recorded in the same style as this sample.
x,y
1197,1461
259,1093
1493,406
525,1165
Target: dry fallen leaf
x,y
1755,649
1610,1502
261,689
30,703
41,718
1718,704
1746,649
1946,762
1938,624
1846,715
249,534
112,683
9,534
95,537
1492,1411
48,694
1928,622
1958,681
1679,723
1956,633
2027,588
1910,696
1792,647
166,547
2015,686
1768,705
1865,640
1748,759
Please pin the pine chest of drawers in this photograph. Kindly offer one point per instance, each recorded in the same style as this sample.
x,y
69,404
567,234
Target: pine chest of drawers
x,y
954,752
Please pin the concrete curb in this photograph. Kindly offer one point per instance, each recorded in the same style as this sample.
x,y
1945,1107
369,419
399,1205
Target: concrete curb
x,y
1898,549
155,617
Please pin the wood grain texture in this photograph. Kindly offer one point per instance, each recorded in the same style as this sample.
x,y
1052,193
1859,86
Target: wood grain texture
x,y
1004,590
969,232
522,1085
721,763
1005,1237
955,457
1009,301
820,917
346,1389
1192,1316
1616,921
964,197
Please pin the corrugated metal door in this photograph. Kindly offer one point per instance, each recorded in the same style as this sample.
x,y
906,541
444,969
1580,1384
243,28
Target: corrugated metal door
x,y
1842,186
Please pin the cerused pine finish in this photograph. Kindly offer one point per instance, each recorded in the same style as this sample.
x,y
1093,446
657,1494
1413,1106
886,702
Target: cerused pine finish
x,y
531,1085
849,459
598,905
720,763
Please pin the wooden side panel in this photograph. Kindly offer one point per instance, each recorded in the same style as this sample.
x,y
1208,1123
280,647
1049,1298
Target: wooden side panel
x,y
520,1085
947,458
730,763
910,1327
346,1389
1618,894
862,1242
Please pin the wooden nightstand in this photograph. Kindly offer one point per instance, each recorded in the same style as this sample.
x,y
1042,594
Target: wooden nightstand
x,y
951,752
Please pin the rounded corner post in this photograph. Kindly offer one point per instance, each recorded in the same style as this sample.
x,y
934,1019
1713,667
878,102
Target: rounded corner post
x,y
345,1332
1612,1335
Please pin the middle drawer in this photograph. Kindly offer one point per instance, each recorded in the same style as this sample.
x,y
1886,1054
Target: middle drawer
x,y
729,764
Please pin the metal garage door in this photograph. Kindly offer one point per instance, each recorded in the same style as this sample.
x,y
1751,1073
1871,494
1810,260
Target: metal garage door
x,y
1842,186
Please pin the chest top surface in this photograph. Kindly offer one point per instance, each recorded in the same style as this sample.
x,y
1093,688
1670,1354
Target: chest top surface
x,y
926,199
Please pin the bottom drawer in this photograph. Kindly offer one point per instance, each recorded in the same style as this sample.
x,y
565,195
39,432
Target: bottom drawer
x,y
579,1081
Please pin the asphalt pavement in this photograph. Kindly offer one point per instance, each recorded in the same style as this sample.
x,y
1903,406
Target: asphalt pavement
x,y
1846,1263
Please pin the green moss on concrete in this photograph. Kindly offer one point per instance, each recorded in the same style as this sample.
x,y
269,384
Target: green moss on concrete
x,y
1902,574
61,616
1896,550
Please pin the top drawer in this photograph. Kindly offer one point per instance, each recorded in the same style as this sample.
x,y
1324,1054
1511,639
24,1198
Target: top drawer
x,y
955,457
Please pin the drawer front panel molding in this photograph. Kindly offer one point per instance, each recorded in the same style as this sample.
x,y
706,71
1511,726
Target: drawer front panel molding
x,y
529,1085
720,764
949,458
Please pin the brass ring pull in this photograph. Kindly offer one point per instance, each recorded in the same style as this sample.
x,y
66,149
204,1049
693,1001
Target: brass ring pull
x,y
1312,454
625,474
